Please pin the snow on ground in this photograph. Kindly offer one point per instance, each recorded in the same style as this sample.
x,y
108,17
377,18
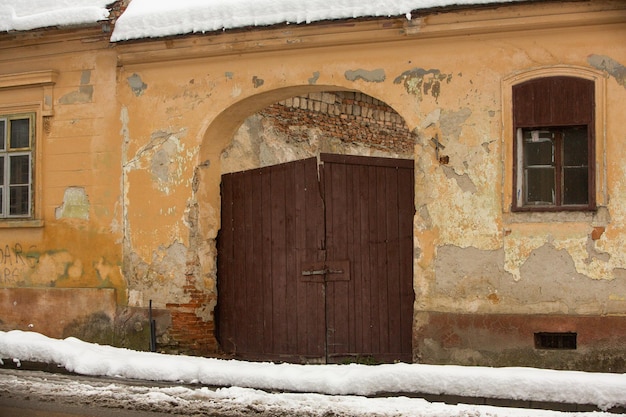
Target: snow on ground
x,y
333,386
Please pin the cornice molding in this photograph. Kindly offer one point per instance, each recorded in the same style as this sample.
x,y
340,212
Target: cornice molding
x,y
45,80
492,20
28,79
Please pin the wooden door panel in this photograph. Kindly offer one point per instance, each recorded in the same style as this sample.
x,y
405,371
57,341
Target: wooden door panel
x,y
272,219
317,271
369,218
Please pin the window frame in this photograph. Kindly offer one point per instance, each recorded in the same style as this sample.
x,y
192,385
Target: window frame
x,y
598,195
520,184
6,152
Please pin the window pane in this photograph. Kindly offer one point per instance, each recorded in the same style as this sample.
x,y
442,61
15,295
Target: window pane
x,y
18,200
1,170
20,169
575,149
20,132
538,148
575,186
3,132
2,201
540,186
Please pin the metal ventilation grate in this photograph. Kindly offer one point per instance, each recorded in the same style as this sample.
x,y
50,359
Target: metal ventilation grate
x,y
565,341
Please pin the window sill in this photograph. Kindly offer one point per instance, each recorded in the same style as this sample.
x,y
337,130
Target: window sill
x,y
18,224
599,216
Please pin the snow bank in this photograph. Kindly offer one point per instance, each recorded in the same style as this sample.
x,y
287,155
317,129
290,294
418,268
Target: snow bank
x,y
603,390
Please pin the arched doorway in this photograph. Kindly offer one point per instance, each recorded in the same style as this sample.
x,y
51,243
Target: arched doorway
x,y
315,249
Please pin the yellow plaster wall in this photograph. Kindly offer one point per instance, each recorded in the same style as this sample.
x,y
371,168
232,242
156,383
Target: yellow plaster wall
x,y
74,239
128,152
447,86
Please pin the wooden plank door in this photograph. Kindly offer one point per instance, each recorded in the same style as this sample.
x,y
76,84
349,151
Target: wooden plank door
x,y
369,212
311,271
272,222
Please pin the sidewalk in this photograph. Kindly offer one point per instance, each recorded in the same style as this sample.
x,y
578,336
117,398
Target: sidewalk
x,y
514,388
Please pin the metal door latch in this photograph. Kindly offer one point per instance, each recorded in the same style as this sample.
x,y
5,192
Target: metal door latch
x,y
320,271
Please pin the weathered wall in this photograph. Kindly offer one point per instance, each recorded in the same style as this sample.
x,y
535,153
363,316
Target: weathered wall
x,y
74,241
472,255
133,157
305,126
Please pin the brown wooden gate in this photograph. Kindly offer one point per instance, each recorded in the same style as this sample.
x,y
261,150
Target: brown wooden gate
x,y
317,270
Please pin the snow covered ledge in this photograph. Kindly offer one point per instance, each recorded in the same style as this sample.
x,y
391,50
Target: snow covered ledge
x,y
605,391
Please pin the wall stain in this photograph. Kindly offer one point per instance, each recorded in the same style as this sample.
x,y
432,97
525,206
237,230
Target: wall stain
x,y
136,84
257,82
420,82
614,68
314,78
84,94
375,76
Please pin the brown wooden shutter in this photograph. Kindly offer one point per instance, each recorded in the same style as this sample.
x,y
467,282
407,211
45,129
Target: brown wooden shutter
x,y
553,101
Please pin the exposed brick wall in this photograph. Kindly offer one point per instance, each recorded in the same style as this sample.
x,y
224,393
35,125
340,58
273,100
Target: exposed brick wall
x,y
190,333
347,116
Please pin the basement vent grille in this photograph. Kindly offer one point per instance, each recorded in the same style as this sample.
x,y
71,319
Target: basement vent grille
x,y
561,341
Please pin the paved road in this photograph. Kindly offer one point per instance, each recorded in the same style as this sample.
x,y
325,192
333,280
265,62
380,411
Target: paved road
x,y
29,407
42,394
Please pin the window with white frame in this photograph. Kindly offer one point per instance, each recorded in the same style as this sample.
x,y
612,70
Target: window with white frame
x,y
16,165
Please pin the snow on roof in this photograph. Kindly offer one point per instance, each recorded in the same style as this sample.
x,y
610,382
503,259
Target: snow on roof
x,y
157,18
34,14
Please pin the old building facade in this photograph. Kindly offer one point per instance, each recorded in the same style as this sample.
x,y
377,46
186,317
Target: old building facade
x,y
116,156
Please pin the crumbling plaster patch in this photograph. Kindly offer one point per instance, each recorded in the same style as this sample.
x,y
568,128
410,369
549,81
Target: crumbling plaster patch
x,y
75,204
161,279
608,64
421,82
457,196
165,157
469,279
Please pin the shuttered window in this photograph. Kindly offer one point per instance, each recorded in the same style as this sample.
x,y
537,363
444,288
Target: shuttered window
x,y
554,151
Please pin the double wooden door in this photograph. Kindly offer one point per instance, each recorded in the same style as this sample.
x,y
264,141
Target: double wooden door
x,y
315,261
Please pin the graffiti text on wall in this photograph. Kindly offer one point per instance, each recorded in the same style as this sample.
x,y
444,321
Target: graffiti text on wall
x,y
14,259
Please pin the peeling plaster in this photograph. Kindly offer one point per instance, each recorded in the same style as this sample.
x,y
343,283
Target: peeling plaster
x,y
463,181
375,76
75,205
451,122
420,82
161,279
614,68
469,279
136,84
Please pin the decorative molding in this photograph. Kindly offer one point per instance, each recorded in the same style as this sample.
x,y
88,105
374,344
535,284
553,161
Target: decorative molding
x,y
45,79
432,24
